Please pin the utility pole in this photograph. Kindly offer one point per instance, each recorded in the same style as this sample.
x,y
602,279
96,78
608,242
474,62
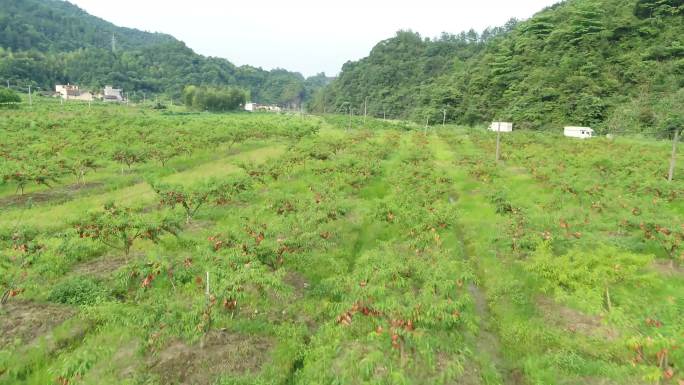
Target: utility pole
x,y
383,113
350,116
444,119
365,109
30,99
8,84
498,141
673,159
427,121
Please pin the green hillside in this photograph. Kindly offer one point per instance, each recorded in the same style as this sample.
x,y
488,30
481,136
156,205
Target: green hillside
x,y
43,42
617,65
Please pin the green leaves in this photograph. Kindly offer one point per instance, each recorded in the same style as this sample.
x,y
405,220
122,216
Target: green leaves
x,y
119,227
586,276
214,99
8,96
78,291
23,173
192,198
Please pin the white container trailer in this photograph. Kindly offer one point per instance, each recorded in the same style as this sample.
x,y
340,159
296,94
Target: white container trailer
x,y
578,132
501,127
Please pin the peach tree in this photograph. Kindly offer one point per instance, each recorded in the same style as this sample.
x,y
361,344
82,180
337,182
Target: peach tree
x,y
119,227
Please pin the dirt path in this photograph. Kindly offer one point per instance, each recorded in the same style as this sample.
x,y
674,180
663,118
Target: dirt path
x,y
493,367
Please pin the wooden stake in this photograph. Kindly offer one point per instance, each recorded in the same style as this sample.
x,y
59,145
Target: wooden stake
x,y
673,159
498,142
207,284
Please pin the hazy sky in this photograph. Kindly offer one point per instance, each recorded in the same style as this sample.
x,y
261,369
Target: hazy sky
x,y
308,36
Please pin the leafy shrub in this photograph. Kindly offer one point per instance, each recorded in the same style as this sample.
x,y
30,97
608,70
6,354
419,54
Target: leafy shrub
x,y
587,276
214,99
78,291
9,96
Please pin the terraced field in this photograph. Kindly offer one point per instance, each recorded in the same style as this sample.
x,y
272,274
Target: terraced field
x,y
302,252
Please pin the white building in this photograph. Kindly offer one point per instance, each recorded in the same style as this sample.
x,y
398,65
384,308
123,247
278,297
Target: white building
x,y
253,107
72,92
112,94
501,127
578,132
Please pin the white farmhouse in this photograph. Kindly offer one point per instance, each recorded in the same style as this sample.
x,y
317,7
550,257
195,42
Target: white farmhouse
x,y
501,127
253,107
578,132
112,94
72,92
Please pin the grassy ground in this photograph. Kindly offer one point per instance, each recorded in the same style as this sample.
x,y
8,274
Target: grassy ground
x,y
364,256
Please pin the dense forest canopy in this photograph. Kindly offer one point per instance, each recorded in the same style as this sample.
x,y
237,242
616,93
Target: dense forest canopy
x,y
43,42
213,99
617,65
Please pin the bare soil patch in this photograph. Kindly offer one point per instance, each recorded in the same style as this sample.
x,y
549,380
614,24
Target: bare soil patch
x,y
99,267
54,195
668,268
573,320
220,353
595,381
197,226
297,281
26,321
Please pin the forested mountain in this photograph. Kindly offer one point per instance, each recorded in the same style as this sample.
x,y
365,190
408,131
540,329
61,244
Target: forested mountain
x,y
617,65
43,42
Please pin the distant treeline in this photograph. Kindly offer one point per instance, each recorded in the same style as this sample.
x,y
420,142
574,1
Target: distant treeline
x,y
44,42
